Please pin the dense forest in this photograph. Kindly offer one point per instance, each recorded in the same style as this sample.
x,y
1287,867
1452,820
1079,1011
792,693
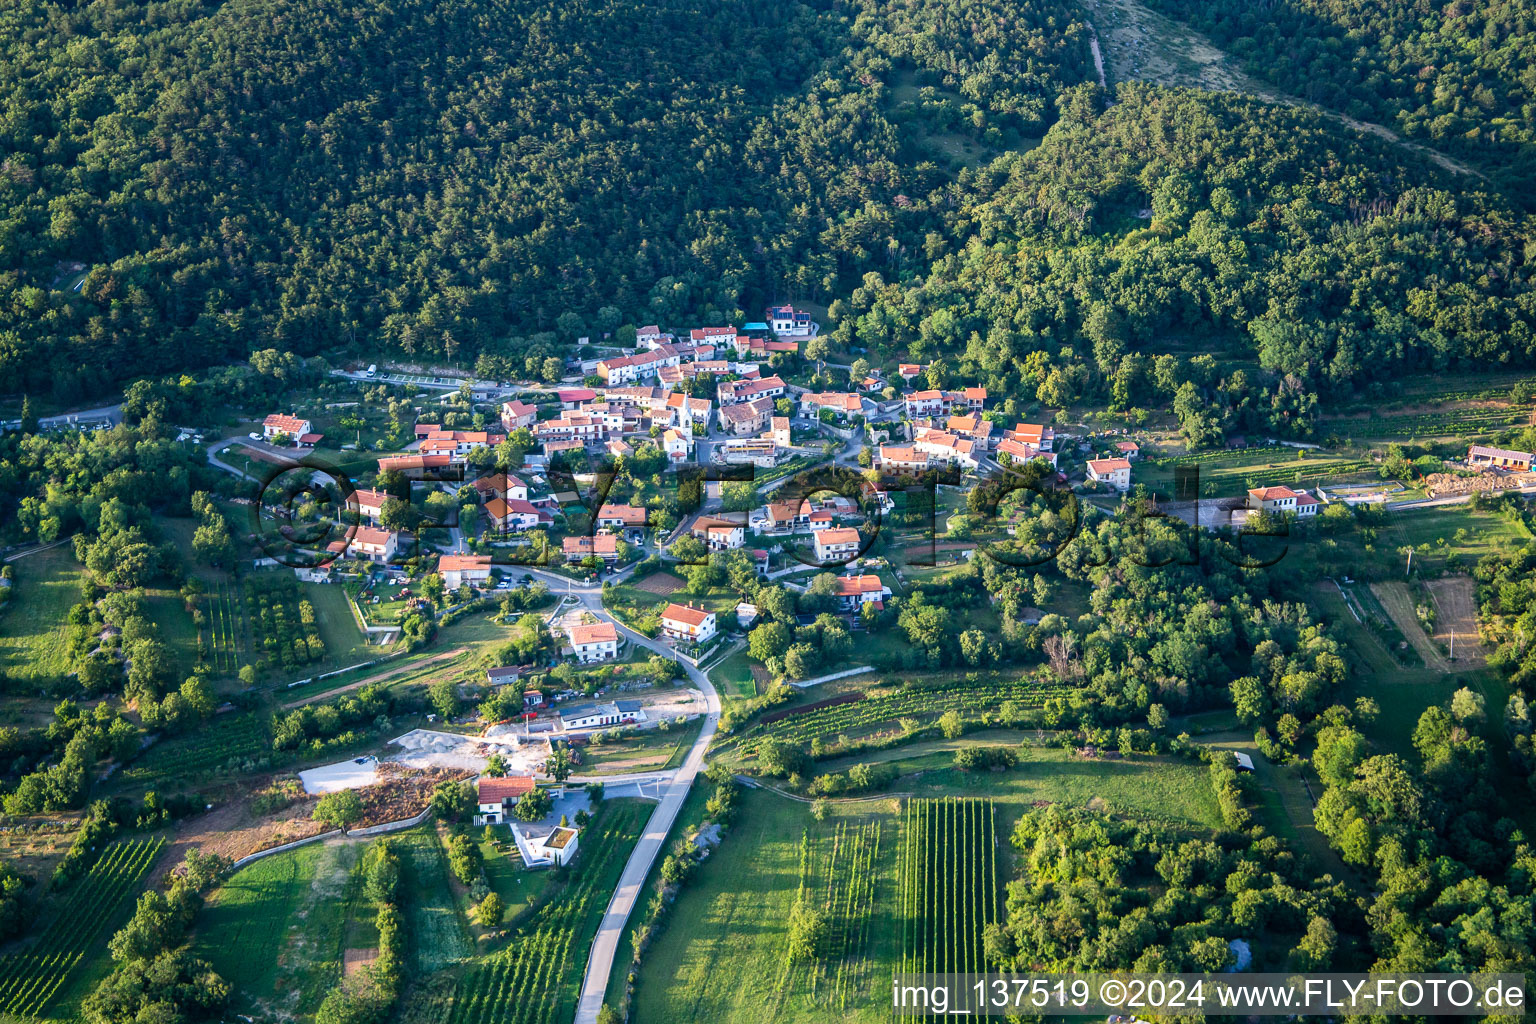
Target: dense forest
x,y
442,177
1159,221
1459,76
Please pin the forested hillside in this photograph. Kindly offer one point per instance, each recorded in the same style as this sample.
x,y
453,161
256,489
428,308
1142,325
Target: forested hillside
x,y
441,176
1460,76
1293,257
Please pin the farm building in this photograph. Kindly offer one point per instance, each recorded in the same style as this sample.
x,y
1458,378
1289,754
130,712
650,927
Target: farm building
x,y
1499,458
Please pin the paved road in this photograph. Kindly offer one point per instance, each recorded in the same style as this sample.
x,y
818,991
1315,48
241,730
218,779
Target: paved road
x,y
1450,499
650,846
112,414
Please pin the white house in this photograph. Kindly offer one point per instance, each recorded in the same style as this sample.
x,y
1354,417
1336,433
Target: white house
x,y
685,622
1280,499
719,534
836,544
511,514
497,797
367,504
677,444
856,591
545,846
599,716
789,322
456,570
517,413
621,517
595,641
1115,472
290,427
372,544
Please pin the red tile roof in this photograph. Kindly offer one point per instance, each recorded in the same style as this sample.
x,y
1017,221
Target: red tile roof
x,y
495,791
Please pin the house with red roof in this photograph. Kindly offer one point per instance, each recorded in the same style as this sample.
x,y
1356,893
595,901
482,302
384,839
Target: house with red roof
x,y
278,427
1114,472
594,641
856,591
687,623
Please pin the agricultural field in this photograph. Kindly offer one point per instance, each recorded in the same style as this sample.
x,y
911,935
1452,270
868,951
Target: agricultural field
x,y
536,978
723,956
33,624
223,631
876,712
39,974
440,936
733,676
277,929
1230,474
642,750
285,632
949,884
227,739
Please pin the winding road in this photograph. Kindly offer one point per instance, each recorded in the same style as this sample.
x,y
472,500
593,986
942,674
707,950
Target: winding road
x,y
600,962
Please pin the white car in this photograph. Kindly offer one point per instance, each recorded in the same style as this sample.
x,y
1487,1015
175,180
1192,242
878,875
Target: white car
x,y
254,436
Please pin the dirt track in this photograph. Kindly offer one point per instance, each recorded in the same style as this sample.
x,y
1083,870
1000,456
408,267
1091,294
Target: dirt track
x,y
393,673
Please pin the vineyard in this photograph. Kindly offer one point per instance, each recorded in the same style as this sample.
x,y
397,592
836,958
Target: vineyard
x,y
284,630
828,722
223,641
840,976
1447,423
227,739
537,979
949,890
31,979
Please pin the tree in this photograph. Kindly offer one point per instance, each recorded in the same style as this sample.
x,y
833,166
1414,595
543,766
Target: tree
x,y
535,804
395,515
451,801
807,926
444,695
558,765
464,857
496,766
780,759
768,641
951,725
491,910
1468,707
341,809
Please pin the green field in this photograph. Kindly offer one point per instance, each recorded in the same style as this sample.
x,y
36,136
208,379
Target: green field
x,y
733,676
277,929
439,935
235,736
1228,474
642,751
721,957
33,634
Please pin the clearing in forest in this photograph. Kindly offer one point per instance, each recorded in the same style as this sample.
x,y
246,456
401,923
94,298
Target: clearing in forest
x,y
1396,599
1455,600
